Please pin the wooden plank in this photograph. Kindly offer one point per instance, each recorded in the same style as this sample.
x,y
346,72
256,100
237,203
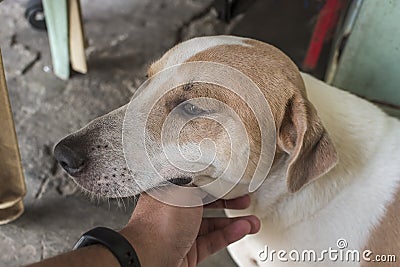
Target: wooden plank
x,y
12,183
56,14
76,37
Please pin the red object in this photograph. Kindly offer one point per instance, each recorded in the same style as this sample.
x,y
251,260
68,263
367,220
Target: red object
x,y
327,20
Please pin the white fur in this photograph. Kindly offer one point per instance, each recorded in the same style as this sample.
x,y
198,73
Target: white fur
x,y
345,203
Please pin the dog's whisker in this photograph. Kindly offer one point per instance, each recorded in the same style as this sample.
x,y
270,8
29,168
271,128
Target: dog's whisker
x,y
119,204
122,199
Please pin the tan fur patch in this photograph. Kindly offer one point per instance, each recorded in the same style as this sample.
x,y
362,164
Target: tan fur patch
x,y
196,130
312,153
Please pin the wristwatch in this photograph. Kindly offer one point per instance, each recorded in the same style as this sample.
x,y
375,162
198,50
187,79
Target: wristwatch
x,y
114,242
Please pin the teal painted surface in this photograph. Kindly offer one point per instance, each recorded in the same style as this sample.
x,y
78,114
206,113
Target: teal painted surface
x,y
57,27
395,112
370,63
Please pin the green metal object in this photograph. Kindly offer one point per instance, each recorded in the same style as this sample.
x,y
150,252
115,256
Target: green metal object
x,y
56,14
370,63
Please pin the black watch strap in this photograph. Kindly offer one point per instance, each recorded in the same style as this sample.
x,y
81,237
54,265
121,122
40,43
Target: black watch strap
x,y
114,241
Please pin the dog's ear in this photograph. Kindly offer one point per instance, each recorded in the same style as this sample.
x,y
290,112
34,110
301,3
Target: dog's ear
x,y
303,137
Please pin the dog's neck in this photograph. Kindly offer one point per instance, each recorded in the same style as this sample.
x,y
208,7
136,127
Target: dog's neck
x,y
349,130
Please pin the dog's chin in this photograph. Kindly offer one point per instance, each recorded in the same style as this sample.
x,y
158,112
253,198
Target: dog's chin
x,y
221,188
113,189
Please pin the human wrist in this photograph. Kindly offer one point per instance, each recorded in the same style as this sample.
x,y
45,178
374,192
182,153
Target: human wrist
x,y
144,250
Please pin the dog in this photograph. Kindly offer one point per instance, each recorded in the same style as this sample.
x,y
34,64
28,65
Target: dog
x,y
334,178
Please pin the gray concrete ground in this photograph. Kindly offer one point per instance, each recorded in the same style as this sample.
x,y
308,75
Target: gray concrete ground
x,y
124,37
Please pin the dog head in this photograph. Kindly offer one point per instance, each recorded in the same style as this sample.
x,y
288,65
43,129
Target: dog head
x,y
203,121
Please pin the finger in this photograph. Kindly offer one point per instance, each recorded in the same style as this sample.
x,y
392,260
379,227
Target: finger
x,y
214,241
191,257
209,225
237,203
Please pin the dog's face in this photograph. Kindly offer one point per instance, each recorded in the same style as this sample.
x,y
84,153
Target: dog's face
x,y
200,121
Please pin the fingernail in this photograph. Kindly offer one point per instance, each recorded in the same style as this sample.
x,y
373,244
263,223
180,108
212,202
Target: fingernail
x,y
255,224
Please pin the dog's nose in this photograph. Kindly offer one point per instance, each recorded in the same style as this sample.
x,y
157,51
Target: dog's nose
x,y
70,159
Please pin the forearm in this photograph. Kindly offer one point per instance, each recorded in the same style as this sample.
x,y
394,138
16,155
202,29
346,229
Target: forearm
x,y
95,255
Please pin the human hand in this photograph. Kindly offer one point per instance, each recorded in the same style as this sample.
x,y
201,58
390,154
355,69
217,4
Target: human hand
x,y
165,235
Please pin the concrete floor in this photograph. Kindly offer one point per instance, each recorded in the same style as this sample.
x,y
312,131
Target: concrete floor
x,y
124,37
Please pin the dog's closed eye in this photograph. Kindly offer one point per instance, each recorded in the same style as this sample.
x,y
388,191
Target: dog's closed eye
x,y
191,109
